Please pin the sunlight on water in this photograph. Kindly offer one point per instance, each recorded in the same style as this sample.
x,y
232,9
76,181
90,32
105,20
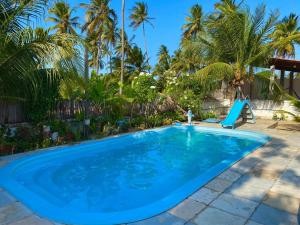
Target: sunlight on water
x,y
131,171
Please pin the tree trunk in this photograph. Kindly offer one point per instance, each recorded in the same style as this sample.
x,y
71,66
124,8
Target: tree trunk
x,y
251,91
86,77
252,80
291,86
86,63
98,60
282,72
110,59
123,47
145,41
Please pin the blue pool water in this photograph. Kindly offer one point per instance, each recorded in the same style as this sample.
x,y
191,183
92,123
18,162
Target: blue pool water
x,y
126,178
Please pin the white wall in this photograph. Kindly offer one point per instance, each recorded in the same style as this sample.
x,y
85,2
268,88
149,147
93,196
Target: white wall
x,y
264,109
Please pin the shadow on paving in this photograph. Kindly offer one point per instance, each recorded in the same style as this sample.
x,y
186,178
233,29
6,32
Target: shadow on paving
x,y
259,171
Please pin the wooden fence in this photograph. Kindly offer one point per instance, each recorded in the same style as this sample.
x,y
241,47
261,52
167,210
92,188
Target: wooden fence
x,y
11,113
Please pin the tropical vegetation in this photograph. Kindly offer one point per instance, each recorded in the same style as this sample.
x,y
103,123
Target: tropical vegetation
x,y
88,80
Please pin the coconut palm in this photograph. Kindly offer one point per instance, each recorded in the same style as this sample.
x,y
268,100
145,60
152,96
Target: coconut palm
x,y
109,37
98,16
163,56
288,27
136,61
126,43
62,17
122,47
93,47
164,60
194,22
228,6
237,42
139,17
25,52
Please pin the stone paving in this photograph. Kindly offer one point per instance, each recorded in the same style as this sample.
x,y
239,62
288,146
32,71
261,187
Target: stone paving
x,y
261,189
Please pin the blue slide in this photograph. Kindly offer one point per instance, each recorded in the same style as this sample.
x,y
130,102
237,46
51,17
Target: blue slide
x,y
236,112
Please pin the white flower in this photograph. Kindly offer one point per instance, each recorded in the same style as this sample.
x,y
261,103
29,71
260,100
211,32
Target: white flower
x,y
152,87
142,73
135,77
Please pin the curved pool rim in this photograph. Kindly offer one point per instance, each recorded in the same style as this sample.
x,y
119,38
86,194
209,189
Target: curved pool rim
x,y
47,210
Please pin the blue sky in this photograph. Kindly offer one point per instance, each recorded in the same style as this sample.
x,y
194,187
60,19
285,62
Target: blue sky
x,y
170,14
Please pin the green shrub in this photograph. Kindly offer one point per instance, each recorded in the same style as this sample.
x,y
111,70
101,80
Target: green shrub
x,y
137,121
206,115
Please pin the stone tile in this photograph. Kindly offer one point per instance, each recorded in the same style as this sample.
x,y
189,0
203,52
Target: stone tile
x,y
246,164
285,188
187,209
235,205
32,220
205,195
6,199
218,184
294,166
291,176
13,213
256,182
162,219
247,191
266,173
213,216
282,202
277,157
272,166
230,175
250,222
270,216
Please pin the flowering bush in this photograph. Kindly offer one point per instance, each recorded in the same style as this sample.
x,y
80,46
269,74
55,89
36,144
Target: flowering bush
x,y
145,88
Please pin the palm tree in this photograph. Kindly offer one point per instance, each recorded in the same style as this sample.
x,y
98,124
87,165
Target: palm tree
x,y
164,60
237,42
139,16
109,37
228,6
136,61
25,53
194,22
127,43
288,27
62,18
123,47
163,56
98,15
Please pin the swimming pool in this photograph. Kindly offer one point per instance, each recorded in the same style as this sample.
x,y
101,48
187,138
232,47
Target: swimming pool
x,y
126,178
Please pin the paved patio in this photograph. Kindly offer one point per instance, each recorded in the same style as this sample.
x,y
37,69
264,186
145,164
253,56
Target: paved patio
x,y
261,189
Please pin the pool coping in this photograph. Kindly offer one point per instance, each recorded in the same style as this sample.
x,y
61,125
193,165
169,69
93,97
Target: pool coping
x,y
141,213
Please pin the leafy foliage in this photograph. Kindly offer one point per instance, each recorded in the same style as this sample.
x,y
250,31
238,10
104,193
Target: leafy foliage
x,y
145,88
